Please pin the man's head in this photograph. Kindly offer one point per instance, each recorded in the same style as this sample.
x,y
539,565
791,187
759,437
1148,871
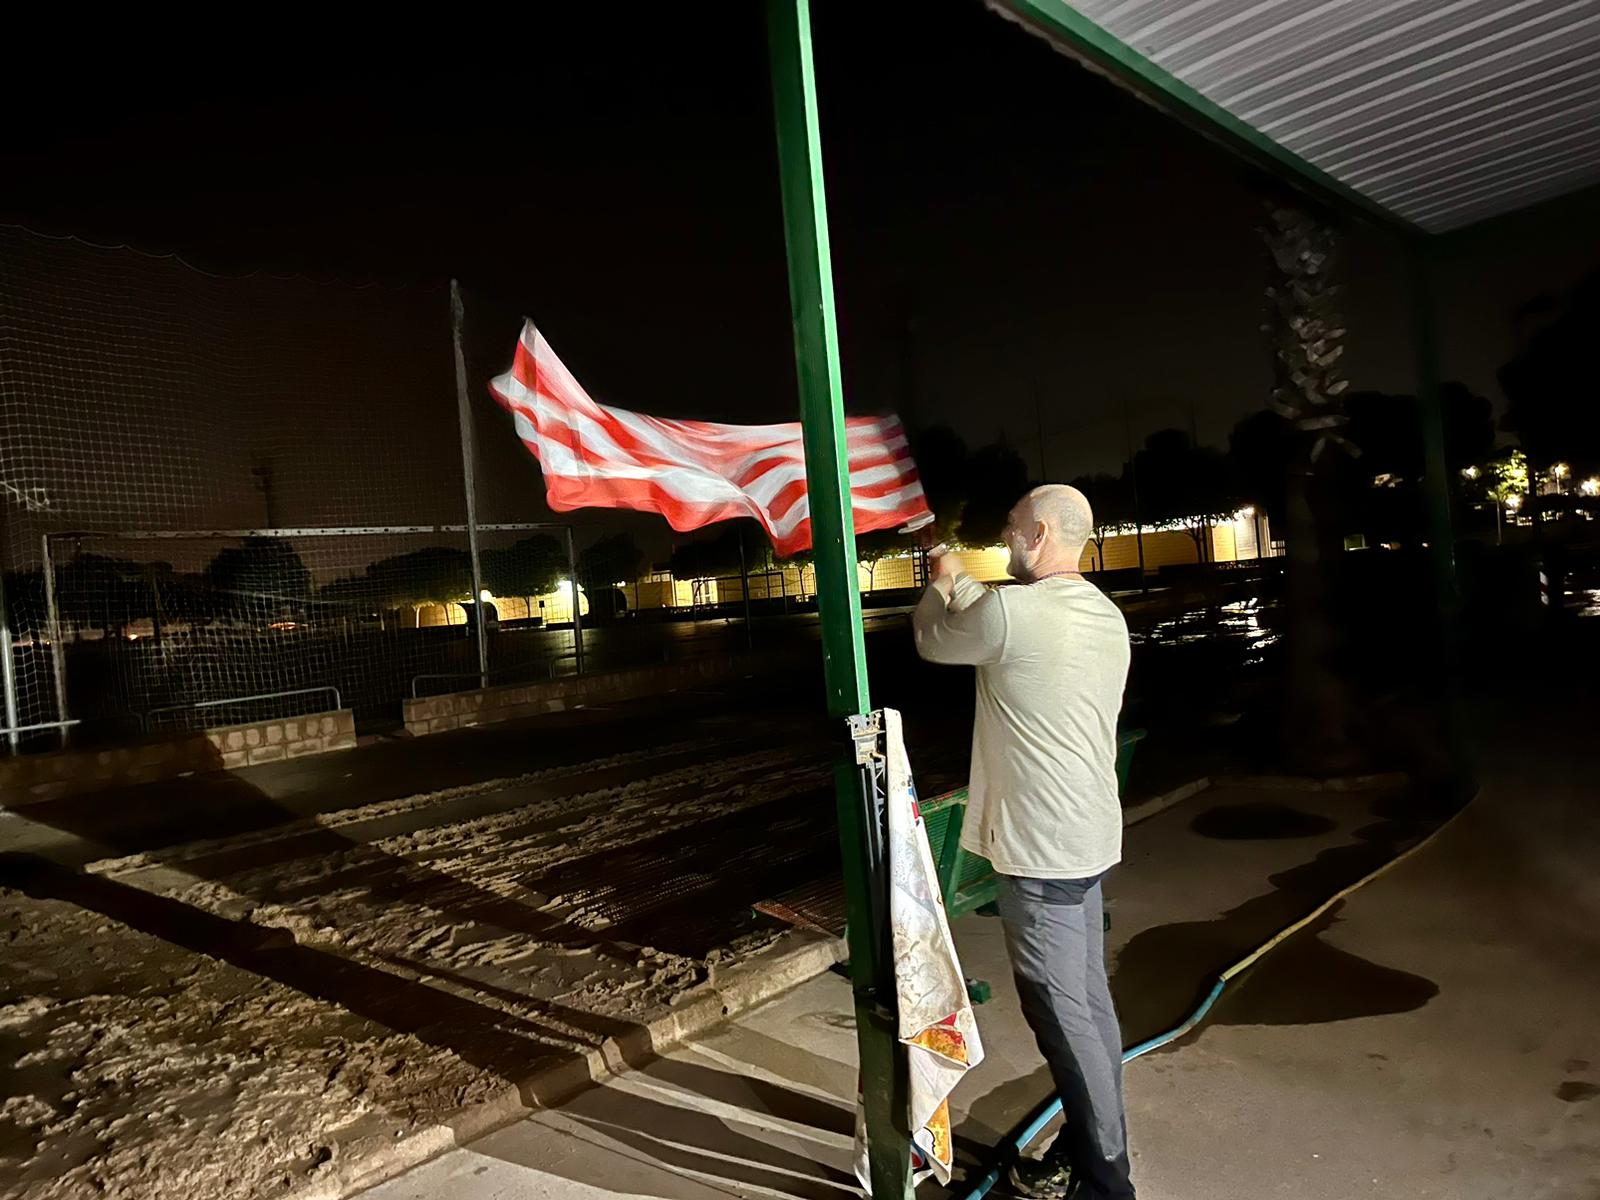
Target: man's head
x,y
1046,531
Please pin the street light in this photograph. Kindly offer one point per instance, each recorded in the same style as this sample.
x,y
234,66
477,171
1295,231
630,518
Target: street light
x,y
1469,472
1590,486
1512,503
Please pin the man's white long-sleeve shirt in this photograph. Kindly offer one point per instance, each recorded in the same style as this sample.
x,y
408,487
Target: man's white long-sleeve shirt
x,y
1052,663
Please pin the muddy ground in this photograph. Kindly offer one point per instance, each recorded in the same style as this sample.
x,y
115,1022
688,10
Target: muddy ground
x,y
223,987
226,1016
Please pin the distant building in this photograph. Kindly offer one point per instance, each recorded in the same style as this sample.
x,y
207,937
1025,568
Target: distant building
x,y
1246,536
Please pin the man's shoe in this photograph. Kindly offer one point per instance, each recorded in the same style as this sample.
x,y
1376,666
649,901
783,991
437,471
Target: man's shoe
x,y
1041,1179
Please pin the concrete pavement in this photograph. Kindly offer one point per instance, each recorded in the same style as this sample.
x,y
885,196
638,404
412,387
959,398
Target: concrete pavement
x,y
1438,1039
1368,1049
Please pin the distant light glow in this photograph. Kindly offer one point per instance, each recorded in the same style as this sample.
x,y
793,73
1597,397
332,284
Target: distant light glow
x,y
1469,472
1513,502
1245,513
485,596
1559,470
1590,486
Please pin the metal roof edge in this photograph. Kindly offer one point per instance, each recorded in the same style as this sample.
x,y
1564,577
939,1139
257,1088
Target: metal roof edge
x,y
1588,197
1075,35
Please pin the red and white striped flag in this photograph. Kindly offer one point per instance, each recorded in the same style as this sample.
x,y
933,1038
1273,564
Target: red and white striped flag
x,y
695,472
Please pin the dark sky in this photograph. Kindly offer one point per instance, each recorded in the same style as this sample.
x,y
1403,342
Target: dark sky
x,y
1016,242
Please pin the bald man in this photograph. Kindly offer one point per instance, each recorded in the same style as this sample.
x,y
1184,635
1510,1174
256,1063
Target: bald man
x,y
1052,662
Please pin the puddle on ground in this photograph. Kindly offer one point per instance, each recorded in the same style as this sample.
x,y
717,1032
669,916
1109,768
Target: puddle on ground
x,y
1163,973
1261,820
1306,981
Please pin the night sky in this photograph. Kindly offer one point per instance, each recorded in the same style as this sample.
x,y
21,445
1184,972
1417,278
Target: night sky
x,y
1016,242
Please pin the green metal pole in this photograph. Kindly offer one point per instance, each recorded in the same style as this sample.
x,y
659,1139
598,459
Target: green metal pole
x,y
1436,471
1436,504
816,352
883,1071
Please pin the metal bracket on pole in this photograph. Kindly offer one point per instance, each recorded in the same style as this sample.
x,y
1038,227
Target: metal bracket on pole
x,y
866,733
871,761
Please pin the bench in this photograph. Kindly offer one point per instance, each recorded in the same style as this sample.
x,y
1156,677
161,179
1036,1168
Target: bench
x,y
966,880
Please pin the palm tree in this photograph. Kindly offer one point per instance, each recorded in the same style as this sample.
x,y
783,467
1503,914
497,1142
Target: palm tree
x,y
1307,336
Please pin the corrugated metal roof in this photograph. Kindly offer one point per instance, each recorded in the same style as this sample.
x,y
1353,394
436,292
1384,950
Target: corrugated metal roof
x,y
1444,112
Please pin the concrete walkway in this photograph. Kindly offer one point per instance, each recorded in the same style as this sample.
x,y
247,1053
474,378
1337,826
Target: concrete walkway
x,y
1433,1037
1438,1039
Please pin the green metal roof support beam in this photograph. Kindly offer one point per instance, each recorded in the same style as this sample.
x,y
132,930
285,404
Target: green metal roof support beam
x,y
1436,509
1436,472
1437,517
1059,22
816,349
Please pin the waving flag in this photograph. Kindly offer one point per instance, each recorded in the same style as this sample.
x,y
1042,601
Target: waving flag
x,y
695,472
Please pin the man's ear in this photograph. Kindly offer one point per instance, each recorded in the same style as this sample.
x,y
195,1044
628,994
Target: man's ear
x,y
1040,532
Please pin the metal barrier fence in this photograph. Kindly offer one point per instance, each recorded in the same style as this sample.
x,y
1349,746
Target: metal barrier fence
x,y
149,627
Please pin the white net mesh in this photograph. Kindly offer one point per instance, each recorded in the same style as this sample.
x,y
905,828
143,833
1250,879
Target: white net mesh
x,y
144,403
178,629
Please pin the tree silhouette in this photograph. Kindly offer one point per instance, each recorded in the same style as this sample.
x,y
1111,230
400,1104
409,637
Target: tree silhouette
x,y
996,478
1111,500
872,548
265,577
1259,450
608,561
25,600
1307,335
97,591
529,567
432,575
1182,483
711,558
602,566
1382,489
1549,386
1388,431
942,462
182,596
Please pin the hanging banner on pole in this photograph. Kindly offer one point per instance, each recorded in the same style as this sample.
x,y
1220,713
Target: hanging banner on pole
x,y
694,473
936,1022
